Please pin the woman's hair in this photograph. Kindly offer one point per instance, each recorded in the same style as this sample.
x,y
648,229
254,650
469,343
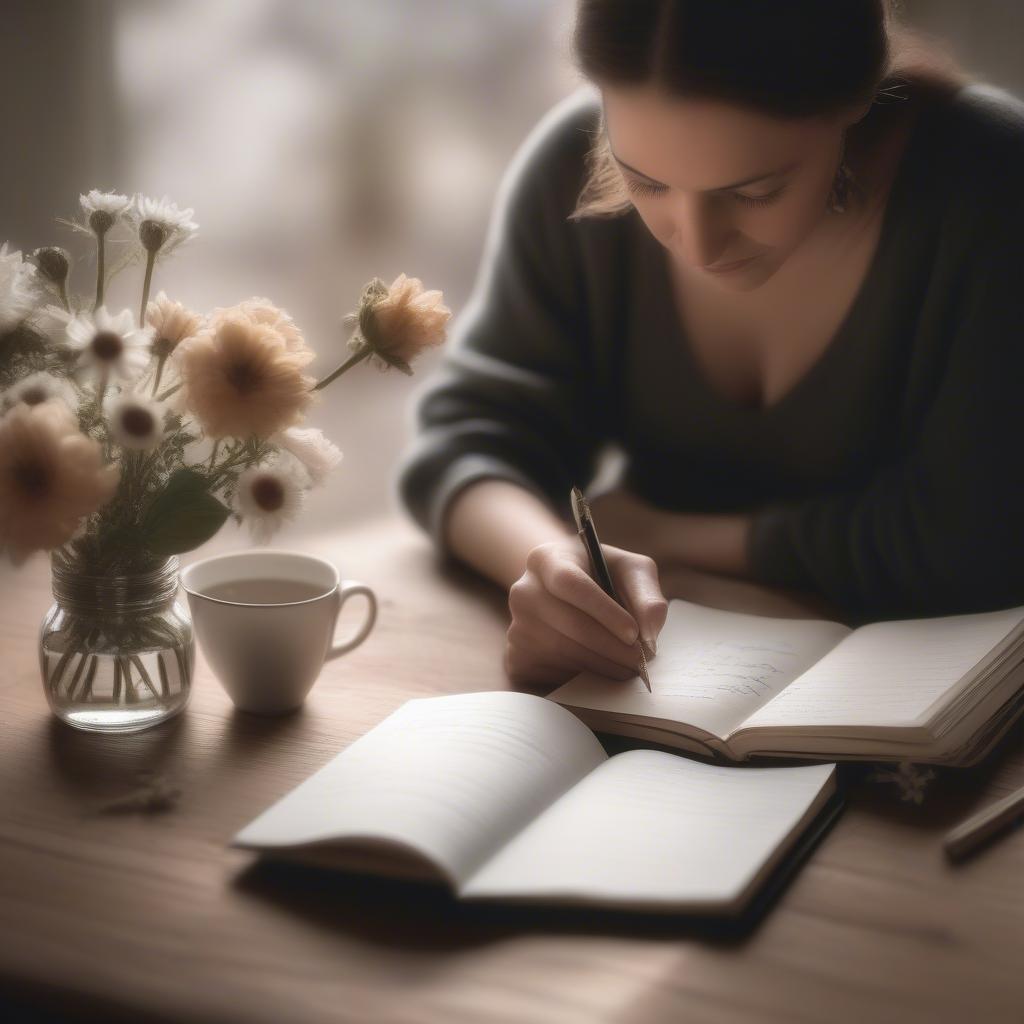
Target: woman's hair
x,y
796,58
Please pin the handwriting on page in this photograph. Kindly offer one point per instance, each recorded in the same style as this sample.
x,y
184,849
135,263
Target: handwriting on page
x,y
890,673
713,667
720,668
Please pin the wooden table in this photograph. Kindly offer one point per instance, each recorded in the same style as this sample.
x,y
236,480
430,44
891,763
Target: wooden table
x,y
151,917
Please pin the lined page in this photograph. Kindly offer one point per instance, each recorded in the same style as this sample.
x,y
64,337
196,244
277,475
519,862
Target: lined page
x,y
452,777
652,828
713,668
889,673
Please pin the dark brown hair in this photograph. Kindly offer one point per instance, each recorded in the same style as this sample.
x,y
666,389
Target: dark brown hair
x,y
787,58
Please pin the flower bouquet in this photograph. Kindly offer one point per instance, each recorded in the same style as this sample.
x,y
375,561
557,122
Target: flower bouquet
x,y
126,442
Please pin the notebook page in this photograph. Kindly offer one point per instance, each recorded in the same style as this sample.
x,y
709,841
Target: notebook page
x,y
889,674
452,777
647,827
713,668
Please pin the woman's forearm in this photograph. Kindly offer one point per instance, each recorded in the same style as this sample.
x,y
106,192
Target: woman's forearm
x,y
493,524
700,557
712,543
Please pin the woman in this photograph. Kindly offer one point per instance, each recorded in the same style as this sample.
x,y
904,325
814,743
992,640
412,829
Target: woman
x,y
774,259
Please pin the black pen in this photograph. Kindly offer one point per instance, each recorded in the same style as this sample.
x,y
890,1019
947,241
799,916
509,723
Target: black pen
x,y
599,567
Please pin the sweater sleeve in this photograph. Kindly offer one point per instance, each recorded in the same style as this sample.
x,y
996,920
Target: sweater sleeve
x,y
509,399
940,529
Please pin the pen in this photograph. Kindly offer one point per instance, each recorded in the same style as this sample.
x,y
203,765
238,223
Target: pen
x,y
599,567
978,828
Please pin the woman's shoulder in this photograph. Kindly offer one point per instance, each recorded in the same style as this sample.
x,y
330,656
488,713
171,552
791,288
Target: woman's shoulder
x,y
548,169
986,115
564,132
979,157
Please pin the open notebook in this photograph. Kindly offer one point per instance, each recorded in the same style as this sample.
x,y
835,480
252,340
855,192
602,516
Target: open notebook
x,y
506,796
734,685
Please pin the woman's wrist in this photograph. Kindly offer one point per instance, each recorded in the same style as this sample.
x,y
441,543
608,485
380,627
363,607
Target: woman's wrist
x,y
493,523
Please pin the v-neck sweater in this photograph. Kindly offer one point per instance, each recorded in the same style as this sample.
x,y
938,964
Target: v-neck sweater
x,y
886,479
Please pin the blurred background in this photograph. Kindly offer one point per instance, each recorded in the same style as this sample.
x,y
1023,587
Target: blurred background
x,y
320,143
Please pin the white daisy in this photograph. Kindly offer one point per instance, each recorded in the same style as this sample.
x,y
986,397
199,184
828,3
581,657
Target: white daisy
x,y
312,449
41,387
19,288
161,225
268,496
110,344
102,209
109,202
135,420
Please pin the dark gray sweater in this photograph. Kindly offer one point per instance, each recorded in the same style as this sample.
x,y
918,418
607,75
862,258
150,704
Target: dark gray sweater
x,y
889,479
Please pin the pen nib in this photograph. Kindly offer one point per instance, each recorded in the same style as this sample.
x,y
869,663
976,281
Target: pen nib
x,y
643,670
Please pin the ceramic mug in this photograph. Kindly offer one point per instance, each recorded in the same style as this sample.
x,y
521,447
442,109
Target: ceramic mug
x,y
265,620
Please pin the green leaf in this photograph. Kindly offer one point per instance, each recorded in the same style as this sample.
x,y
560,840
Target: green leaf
x,y
182,515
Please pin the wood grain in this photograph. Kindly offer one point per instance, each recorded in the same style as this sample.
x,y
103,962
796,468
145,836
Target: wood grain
x,y
151,917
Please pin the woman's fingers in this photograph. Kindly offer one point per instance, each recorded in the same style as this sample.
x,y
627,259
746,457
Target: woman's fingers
x,y
636,579
567,620
566,579
564,623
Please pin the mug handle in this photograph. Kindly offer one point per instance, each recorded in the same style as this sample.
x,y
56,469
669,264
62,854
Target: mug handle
x,y
342,594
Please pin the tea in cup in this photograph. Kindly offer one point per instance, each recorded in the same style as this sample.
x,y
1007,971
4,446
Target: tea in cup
x,y
265,620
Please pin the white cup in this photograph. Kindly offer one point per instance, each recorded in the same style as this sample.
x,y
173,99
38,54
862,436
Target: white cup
x,y
268,653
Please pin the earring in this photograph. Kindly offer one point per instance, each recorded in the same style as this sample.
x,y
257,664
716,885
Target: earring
x,y
842,183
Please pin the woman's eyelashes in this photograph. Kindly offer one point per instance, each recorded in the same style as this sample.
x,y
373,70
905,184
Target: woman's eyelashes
x,y
764,200
641,188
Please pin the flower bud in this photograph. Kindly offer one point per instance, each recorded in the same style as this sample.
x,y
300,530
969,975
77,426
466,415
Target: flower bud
x,y
101,221
152,235
52,262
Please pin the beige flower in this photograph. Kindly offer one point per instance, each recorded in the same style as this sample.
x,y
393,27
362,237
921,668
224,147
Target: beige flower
x,y
240,380
172,324
51,476
263,311
403,322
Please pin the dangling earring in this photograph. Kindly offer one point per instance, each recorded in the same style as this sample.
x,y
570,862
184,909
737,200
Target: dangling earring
x,y
842,183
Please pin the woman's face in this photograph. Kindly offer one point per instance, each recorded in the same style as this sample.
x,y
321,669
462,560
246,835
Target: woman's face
x,y
716,183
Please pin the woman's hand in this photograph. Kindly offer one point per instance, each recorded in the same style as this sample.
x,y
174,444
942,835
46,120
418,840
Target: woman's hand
x,y
563,623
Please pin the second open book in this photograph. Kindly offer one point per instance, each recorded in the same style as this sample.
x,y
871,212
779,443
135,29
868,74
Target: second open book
x,y
733,685
508,797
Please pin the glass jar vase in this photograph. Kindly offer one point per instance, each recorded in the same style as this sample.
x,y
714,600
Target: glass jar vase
x,y
116,652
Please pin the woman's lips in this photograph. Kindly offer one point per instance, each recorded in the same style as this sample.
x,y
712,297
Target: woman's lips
x,y
725,268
